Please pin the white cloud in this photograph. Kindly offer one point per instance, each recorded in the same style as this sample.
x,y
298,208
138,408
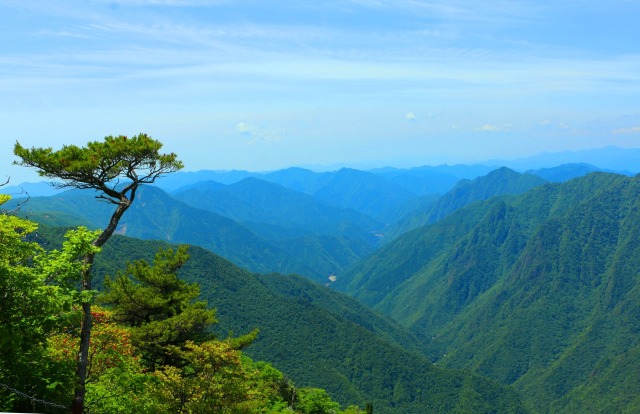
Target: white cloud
x,y
64,33
631,130
487,12
551,124
172,3
410,116
493,128
244,128
258,136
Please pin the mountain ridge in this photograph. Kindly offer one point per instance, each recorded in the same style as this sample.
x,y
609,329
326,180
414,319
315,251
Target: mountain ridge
x,y
322,338
558,260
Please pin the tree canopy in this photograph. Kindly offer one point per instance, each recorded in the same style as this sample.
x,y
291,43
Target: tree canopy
x,y
160,308
38,300
100,166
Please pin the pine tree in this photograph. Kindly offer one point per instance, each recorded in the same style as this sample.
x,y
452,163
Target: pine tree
x,y
100,166
161,308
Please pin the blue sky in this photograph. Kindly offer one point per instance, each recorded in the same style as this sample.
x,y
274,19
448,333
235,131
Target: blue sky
x,y
261,85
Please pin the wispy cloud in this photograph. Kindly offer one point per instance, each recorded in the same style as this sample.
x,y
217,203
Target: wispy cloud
x,y
463,11
630,130
553,124
256,136
494,128
249,52
64,33
410,116
353,60
171,3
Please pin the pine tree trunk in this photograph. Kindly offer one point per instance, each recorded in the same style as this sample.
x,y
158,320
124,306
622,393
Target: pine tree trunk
x,y
77,406
85,340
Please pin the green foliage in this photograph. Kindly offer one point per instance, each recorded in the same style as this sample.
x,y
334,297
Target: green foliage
x,y
38,297
100,166
115,375
101,162
161,309
21,288
315,401
538,290
40,336
64,268
213,381
211,376
320,338
191,371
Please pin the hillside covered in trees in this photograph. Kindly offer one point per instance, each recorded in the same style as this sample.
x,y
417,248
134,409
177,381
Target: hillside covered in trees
x,y
537,290
138,312
152,348
463,289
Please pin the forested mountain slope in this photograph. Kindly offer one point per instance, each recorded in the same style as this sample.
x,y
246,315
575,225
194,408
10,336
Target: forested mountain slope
x,y
540,290
262,247
298,179
565,172
263,226
432,179
257,201
324,339
364,192
347,188
497,182
156,215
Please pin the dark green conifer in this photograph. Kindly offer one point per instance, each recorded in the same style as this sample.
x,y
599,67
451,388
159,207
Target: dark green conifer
x,y
160,307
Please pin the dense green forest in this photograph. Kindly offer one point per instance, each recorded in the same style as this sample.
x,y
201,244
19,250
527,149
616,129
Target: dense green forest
x,y
261,246
265,227
317,337
460,292
537,290
497,182
152,348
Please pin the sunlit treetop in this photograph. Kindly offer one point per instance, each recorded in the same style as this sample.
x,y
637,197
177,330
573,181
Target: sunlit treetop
x,y
102,165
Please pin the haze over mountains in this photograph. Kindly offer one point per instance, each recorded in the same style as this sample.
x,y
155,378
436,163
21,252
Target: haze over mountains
x,y
264,226
420,180
527,280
